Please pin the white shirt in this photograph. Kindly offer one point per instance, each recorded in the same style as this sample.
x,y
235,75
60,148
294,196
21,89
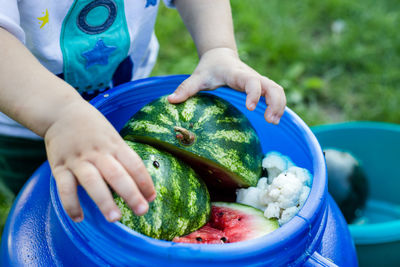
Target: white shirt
x,y
82,39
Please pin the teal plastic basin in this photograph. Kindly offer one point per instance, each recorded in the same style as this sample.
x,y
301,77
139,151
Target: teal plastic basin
x,y
377,145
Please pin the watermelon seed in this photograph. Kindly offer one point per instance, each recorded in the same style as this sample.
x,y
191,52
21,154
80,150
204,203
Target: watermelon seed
x,y
239,219
220,214
199,239
156,164
223,239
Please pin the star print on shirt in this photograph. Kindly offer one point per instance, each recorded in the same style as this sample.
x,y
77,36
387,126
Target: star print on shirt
x,y
99,54
44,19
151,3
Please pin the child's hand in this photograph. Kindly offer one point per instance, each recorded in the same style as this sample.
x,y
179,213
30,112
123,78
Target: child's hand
x,y
222,66
84,149
82,146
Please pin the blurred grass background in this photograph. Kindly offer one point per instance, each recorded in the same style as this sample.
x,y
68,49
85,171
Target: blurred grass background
x,y
338,60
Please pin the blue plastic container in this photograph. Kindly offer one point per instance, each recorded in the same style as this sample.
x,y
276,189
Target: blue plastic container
x,y
39,232
377,146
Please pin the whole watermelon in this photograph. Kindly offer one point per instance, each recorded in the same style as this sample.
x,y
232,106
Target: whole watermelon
x,y
212,135
182,204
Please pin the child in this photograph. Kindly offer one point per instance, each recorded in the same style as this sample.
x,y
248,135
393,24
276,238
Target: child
x,y
92,45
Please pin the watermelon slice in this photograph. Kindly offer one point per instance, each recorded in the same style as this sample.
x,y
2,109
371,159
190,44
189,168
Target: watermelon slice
x,y
229,223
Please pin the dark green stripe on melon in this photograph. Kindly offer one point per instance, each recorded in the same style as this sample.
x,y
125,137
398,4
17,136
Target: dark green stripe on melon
x,y
182,204
208,132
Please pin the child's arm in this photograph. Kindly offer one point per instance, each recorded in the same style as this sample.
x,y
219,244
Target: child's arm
x,y
210,24
82,146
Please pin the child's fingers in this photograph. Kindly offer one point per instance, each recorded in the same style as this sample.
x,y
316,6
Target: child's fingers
x,y
67,190
117,177
133,164
90,178
275,98
249,83
253,91
186,89
236,80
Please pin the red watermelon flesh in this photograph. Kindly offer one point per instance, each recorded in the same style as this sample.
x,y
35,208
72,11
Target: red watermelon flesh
x,y
229,223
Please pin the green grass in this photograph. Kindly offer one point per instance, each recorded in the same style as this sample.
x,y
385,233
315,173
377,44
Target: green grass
x,y
338,60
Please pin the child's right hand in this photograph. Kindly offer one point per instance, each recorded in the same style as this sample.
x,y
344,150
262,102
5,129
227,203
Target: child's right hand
x,y
82,146
84,149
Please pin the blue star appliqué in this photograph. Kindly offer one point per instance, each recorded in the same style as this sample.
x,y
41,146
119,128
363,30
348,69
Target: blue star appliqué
x,y
98,54
151,3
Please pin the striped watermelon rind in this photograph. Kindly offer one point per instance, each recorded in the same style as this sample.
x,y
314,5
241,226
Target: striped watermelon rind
x,y
182,204
225,142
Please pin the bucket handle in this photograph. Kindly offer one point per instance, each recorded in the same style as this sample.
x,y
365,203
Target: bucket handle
x,y
317,259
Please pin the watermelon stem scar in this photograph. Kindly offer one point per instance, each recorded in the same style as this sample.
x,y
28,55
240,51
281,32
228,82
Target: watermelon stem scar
x,y
184,136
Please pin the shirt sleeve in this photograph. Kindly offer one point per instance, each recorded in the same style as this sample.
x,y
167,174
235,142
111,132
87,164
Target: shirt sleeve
x,y
10,20
168,3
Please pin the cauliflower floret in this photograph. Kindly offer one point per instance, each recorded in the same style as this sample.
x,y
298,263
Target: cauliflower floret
x,y
282,193
275,164
288,214
273,194
286,190
272,211
266,197
262,183
302,174
249,196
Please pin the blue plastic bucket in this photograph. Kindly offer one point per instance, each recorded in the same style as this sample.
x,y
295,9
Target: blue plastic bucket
x,y
39,231
377,146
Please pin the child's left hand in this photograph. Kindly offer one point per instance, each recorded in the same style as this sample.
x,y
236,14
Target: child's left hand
x,y
222,66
